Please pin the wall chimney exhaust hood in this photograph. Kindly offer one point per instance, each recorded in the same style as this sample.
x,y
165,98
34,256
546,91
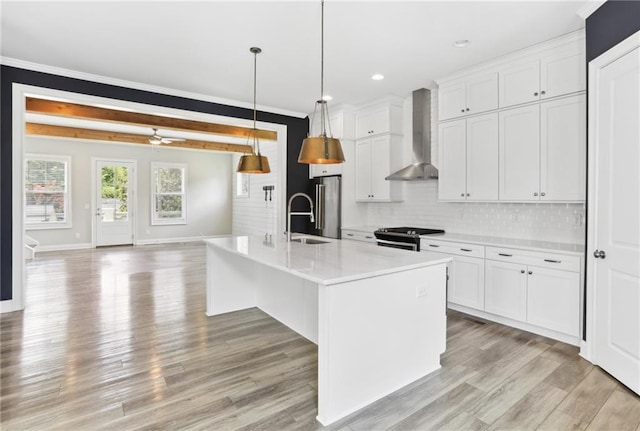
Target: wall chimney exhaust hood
x,y
421,169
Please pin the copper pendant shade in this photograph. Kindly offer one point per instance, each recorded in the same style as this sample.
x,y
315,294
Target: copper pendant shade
x,y
254,163
321,149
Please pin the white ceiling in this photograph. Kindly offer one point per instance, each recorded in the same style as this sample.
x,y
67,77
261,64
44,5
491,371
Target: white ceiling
x,y
203,47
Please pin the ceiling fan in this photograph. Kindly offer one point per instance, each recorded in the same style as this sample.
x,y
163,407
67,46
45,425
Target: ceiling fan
x,y
156,139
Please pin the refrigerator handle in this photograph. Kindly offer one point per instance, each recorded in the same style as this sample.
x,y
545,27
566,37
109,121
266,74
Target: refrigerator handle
x,y
320,217
317,222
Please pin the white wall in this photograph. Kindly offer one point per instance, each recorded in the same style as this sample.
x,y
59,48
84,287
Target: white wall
x,y
208,190
253,215
421,208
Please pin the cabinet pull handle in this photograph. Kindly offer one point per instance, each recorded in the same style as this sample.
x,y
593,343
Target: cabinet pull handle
x,y
505,255
468,194
462,110
466,249
535,94
543,92
433,245
349,234
535,194
368,237
467,109
543,194
530,272
462,194
553,261
522,271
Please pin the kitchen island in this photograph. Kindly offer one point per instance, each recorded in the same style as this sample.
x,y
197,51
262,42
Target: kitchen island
x,y
377,314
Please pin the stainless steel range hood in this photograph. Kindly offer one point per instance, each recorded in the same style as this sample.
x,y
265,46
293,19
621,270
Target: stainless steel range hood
x,y
421,169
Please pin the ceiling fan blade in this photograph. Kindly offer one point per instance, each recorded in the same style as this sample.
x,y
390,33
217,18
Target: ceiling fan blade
x,y
170,140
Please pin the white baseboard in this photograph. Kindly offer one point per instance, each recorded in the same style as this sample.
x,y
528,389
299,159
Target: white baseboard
x,y
173,240
62,247
6,306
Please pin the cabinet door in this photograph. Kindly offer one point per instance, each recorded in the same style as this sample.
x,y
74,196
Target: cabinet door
x,y
482,93
519,84
563,146
519,154
466,282
380,150
363,169
364,124
452,149
373,122
562,72
452,101
323,170
482,157
553,300
506,290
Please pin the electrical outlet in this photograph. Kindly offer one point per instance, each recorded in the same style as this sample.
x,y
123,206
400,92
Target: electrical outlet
x,y
421,291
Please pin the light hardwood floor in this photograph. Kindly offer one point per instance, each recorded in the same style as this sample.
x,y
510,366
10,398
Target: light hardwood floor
x,y
117,339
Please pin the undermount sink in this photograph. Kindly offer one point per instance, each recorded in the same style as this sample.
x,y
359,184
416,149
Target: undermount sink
x,y
305,240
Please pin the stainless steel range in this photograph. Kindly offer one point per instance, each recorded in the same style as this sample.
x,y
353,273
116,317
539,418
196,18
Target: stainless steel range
x,y
407,238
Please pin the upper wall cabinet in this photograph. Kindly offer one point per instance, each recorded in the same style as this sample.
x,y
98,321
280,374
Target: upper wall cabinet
x,y
550,74
379,119
341,124
468,96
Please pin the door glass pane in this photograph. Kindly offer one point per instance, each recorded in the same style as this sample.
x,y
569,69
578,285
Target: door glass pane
x,y
114,202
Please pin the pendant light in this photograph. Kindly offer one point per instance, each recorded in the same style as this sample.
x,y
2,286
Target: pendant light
x,y
254,163
321,149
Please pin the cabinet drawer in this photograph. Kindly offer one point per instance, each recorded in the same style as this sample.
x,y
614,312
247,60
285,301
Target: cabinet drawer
x,y
541,259
358,235
455,248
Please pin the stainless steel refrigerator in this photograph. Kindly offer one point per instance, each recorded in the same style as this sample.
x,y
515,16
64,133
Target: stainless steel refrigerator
x,y
327,206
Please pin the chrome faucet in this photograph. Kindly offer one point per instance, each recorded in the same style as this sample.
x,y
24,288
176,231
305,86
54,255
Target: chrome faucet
x,y
289,213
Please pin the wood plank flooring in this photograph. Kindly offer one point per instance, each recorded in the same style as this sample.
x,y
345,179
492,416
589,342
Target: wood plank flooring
x,y
117,339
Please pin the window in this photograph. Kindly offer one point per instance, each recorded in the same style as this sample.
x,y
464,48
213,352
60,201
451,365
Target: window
x,y
47,185
168,202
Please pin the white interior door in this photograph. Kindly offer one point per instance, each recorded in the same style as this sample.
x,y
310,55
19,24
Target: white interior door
x,y
615,216
115,188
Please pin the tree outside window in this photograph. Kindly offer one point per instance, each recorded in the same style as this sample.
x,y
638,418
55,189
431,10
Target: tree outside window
x,y
169,196
46,188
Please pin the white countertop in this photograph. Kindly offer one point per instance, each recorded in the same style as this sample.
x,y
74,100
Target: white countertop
x,y
365,229
331,263
576,249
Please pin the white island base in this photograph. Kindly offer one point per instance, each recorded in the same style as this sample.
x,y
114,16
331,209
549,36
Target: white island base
x,y
376,314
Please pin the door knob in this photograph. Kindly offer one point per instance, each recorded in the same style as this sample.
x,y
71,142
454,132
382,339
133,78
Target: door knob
x,y
599,254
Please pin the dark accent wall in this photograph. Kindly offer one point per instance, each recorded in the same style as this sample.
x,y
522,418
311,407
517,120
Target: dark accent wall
x,y
297,128
610,24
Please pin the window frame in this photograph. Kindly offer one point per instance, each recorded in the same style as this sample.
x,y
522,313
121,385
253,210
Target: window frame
x,y
67,223
155,220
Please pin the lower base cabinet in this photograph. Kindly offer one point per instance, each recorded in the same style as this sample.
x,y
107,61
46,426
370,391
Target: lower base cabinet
x,y
466,282
506,290
553,299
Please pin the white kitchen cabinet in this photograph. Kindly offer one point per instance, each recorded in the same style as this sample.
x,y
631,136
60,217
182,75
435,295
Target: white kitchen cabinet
x,y
563,144
552,73
542,151
323,170
376,158
358,235
468,96
466,271
553,299
519,154
469,159
378,119
550,283
506,290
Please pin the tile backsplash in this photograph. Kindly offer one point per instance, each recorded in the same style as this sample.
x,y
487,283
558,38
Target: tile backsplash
x,y
556,222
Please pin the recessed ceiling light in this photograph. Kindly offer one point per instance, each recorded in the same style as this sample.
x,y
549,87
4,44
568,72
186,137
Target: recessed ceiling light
x,y
462,43
326,98
377,77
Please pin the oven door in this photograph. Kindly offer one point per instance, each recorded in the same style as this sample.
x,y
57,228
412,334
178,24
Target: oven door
x,y
397,244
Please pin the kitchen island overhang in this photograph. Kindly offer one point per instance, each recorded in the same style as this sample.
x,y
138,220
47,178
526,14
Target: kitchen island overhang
x,y
378,315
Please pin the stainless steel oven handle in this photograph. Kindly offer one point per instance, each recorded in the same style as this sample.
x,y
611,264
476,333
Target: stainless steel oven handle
x,y
403,244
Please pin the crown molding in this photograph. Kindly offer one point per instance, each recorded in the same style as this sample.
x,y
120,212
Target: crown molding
x,y
37,67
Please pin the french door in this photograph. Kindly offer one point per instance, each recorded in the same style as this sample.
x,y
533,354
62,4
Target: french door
x,y
115,190
614,215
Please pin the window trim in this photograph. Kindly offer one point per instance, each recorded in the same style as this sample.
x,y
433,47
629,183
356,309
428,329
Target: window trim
x,y
67,224
155,221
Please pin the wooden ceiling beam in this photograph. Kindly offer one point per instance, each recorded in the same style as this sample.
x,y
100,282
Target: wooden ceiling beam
x,y
74,110
130,138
